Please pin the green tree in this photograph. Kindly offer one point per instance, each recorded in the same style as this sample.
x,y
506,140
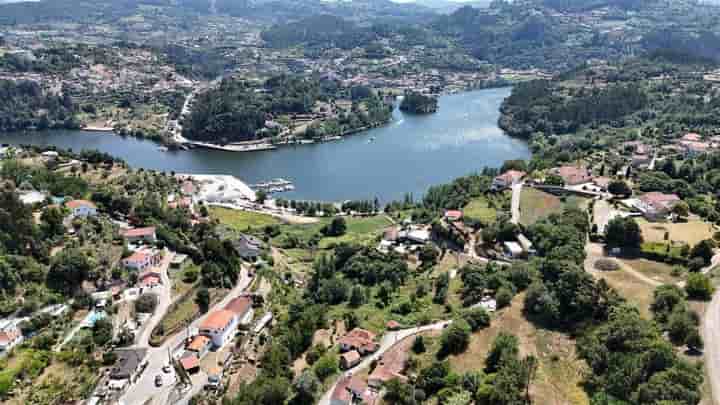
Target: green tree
x,y
699,287
337,227
68,270
202,299
619,187
102,331
326,366
418,345
52,222
456,337
623,232
504,346
477,318
705,250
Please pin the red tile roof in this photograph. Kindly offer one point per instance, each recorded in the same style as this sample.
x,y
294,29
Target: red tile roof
x,y
240,305
80,203
189,362
9,336
150,230
218,319
511,176
455,214
198,343
572,174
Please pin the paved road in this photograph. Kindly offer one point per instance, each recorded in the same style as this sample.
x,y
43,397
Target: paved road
x,y
388,340
515,203
710,329
144,389
164,293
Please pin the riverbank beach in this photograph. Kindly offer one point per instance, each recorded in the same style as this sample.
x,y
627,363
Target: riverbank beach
x,y
217,188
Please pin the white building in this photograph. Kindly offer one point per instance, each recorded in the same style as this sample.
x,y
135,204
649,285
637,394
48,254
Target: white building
x,y
220,327
81,208
513,249
507,180
242,307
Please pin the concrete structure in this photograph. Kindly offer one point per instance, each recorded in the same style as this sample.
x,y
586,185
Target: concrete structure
x,y
243,309
507,180
512,249
81,208
220,326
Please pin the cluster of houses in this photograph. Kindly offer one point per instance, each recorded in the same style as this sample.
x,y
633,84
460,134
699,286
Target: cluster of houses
x,y
405,238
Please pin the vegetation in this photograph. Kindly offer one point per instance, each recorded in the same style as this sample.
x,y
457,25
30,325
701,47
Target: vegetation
x,y
417,103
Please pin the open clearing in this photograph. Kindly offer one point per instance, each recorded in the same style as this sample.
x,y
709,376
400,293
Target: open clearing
x,y
560,372
690,232
655,270
242,220
479,209
536,204
636,291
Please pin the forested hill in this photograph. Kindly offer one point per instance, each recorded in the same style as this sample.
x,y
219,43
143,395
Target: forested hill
x,y
617,96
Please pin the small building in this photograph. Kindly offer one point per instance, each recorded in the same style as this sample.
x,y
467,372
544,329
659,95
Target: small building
x,y
349,359
178,260
262,323
188,188
393,325
512,250
9,338
129,364
146,234
220,326
50,155
655,205
507,180
420,236
526,244
200,345
361,340
573,175
602,182
150,279
248,247
142,259
391,234
243,308
190,363
453,215
81,208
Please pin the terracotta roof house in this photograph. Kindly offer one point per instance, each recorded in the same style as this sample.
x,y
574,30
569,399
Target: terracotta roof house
x,y
693,148
692,137
507,180
391,234
220,327
352,390
199,344
146,234
150,279
10,338
359,339
391,364
349,359
142,259
190,363
392,325
81,208
573,175
243,308
188,188
656,205
453,215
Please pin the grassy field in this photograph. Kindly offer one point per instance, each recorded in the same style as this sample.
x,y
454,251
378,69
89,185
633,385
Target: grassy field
x,y
690,232
479,210
242,220
655,270
536,204
180,314
359,230
635,291
560,372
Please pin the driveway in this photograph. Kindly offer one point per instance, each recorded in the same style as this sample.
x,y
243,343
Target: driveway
x,y
164,293
388,340
515,203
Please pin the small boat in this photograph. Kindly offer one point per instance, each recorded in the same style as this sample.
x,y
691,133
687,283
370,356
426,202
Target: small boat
x,y
163,149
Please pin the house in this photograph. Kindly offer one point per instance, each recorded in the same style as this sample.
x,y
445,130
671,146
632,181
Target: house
x,y
691,137
573,175
656,205
9,338
352,390
243,308
640,160
361,340
200,345
391,234
694,148
146,234
393,325
420,236
391,365
220,326
526,244
129,364
50,155
512,250
453,215
507,180
349,359
248,247
190,363
142,259
150,279
188,188
81,208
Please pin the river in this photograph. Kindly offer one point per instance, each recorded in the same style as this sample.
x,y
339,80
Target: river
x,y
406,156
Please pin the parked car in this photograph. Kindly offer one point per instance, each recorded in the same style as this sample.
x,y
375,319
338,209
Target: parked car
x,y
167,369
158,380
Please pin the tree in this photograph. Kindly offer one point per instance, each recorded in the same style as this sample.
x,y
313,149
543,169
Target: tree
x,y
146,303
681,209
418,345
428,255
504,346
554,180
326,366
102,331
694,340
477,318
665,299
305,388
202,299
699,287
52,222
337,227
503,297
357,296
619,187
398,393
455,337
68,270
705,250
261,197
679,324
623,232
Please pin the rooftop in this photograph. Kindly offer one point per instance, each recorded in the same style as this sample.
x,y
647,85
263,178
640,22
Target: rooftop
x,y
218,319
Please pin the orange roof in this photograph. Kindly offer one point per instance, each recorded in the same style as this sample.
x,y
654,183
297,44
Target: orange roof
x,y
9,336
218,319
189,362
198,343
239,305
139,231
79,203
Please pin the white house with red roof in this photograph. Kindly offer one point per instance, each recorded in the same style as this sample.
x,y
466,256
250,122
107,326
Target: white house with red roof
x,y
573,175
507,180
220,326
9,338
142,259
146,234
242,306
81,208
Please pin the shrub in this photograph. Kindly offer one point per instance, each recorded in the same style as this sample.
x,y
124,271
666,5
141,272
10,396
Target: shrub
x,y
503,297
606,265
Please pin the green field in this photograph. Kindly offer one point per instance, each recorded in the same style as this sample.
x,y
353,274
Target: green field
x,y
359,230
479,210
242,220
536,204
